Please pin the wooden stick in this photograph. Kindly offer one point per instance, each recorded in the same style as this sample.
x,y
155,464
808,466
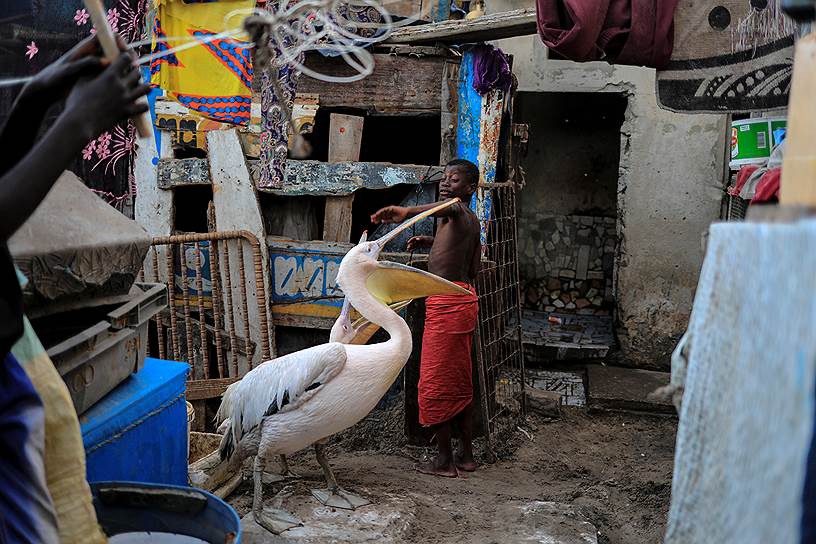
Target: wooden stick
x,y
798,184
108,42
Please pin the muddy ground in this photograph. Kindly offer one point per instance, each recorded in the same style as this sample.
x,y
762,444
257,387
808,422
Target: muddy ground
x,y
614,470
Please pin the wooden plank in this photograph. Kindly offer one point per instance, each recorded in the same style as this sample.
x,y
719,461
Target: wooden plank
x,y
303,178
237,208
337,219
798,184
345,137
207,389
450,108
153,208
497,26
398,85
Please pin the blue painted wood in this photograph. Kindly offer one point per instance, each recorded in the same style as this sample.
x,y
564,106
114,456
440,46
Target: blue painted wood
x,y
469,115
441,11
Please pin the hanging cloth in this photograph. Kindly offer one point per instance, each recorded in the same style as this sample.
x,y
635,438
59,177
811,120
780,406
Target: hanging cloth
x,y
213,79
632,32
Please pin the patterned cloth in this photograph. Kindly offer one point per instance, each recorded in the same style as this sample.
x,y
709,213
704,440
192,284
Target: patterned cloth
x,y
213,79
64,453
26,512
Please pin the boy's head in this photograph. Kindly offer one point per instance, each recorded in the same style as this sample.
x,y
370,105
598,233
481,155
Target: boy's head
x,y
460,179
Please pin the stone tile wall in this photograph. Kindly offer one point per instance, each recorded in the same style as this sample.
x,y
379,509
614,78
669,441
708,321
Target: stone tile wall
x,y
566,263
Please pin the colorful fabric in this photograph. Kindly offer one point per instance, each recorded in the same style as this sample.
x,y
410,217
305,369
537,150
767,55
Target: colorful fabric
x,y
26,511
491,70
64,452
767,190
742,176
214,79
445,372
617,31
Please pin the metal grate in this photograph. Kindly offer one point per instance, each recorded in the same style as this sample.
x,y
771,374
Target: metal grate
x,y
499,346
213,307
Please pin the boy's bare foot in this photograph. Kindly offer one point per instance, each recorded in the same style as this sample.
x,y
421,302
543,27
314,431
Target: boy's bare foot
x,y
433,469
465,464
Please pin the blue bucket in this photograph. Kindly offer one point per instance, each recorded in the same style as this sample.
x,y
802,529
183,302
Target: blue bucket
x,y
125,507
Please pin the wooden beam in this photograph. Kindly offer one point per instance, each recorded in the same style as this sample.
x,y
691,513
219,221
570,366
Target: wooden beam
x,y
345,138
208,389
798,184
237,208
497,26
398,85
304,178
450,109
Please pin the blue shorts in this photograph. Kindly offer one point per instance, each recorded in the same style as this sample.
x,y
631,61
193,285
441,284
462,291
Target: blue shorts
x,y
26,512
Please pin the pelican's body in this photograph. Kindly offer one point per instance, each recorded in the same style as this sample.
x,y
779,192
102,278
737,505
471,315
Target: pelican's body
x,y
355,379
287,404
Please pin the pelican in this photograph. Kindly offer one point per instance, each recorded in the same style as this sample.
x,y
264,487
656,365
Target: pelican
x,y
344,331
287,404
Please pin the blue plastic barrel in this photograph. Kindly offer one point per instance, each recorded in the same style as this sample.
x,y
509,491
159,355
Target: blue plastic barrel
x,y
125,507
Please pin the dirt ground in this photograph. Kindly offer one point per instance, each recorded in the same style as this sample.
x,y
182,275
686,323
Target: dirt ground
x,y
613,469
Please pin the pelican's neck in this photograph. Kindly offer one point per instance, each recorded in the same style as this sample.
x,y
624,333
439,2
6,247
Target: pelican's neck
x,y
379,314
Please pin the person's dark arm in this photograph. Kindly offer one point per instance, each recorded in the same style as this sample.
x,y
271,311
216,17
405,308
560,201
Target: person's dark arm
x,y
36,97
91,109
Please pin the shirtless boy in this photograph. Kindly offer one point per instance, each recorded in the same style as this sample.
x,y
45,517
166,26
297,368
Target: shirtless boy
x,y
445,376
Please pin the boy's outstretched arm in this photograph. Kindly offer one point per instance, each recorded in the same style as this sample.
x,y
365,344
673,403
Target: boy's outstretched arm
x,y
398,214
93,106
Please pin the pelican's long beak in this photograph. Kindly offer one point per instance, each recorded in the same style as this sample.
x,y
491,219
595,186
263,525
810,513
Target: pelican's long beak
x,y
382,242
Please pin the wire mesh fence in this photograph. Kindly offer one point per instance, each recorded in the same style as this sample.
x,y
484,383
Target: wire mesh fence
x,y
500,353
218,318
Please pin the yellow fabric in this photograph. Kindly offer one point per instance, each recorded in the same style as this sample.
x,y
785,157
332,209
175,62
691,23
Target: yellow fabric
x,y
64,452
203,72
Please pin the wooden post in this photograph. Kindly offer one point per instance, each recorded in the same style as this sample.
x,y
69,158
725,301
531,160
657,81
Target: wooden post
x,y
236,208
449,111
798,184
345,137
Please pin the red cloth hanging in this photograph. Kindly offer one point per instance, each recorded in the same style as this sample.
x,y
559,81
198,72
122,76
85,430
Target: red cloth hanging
x,y
742,176
632,32
767,189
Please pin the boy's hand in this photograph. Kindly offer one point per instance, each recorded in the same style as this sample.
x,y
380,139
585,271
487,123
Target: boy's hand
x,y
390,214
420,242
54,82
96,104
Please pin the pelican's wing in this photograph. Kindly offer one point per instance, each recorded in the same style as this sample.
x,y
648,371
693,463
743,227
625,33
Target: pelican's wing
x,y
283,384
395,282
365,329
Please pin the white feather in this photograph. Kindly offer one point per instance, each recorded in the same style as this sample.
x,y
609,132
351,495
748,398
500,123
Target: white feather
x,y
246,402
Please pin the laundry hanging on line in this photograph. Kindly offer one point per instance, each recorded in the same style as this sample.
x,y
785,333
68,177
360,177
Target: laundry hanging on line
x,y
213,79
632,32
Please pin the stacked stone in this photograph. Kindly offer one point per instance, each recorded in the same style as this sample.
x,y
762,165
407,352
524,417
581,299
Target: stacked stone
x,y
567,263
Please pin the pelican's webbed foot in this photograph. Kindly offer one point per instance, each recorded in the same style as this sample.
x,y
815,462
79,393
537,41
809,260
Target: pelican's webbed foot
x,y
339,498
276,520
334,496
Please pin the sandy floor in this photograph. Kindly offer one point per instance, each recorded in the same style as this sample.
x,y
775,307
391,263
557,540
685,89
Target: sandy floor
x,y
611,470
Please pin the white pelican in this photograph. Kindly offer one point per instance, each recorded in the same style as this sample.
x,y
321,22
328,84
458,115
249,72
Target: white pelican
x,y
287,404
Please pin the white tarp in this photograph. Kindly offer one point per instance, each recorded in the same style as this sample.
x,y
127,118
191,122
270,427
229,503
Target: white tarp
x,y
747,411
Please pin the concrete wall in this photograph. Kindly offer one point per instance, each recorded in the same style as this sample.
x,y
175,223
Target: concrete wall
x,y
669,189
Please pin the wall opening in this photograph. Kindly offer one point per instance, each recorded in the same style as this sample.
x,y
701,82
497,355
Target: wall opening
x,y
567,219
398,139
190,203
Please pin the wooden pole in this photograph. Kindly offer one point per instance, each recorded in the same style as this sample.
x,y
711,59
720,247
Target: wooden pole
x,y
111,50
798,184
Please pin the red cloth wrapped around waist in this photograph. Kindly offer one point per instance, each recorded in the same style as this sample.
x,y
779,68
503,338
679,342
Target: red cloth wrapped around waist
x,y
445,374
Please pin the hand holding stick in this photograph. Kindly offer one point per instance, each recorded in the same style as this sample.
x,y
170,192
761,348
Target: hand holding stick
x,y
111,49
